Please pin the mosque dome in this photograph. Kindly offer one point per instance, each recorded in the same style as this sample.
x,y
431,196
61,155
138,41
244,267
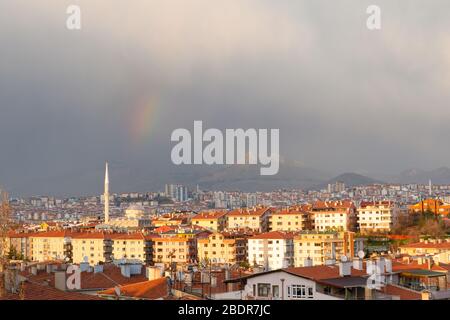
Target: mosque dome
x,y
134,211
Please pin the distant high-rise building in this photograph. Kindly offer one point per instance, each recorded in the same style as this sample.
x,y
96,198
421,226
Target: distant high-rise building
x,y
337,187
176,192
181,193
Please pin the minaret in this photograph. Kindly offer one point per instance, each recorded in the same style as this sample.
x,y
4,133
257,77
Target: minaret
x,y
106,195
430,188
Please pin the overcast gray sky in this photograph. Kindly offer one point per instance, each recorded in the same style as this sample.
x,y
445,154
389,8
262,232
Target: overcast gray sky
x,y
344,98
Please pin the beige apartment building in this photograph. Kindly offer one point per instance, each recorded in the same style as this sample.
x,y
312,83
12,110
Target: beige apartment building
x,y
313,248
214,221
376,217
133,246
255,219
222,248
290,219
333,215
182,250
50,245
92,247
438,248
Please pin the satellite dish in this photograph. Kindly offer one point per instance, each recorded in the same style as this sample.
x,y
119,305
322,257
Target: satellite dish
x,y
361,254
344,258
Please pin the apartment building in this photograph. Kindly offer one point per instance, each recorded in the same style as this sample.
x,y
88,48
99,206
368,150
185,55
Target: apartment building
x,y
439,248
93,247
377,217
334,215
256,219
20,242
49,245
313,248
214,221
271,250
135,246
435,206
222,248
181,250
289,219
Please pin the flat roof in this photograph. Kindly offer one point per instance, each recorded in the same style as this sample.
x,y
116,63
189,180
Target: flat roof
x,y
345,282
423,273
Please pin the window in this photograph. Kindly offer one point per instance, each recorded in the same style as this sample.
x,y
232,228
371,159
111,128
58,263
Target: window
x,y
263,289
276,291
296,291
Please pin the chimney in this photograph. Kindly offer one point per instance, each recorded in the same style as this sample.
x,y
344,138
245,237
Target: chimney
x,y
125,270
388,264
429,263
98,268
308,262
153,272
345,268
60,280
380,265
358,264
330,262
84,266
369,267
227,274
213,281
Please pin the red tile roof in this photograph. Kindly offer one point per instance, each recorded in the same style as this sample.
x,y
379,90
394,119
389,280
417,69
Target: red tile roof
x,y
344,204
402,292
321,272
163,229
151,290
208,215
110,277
37,291
423,245
274,235
89,235
126,236
53,234
248,212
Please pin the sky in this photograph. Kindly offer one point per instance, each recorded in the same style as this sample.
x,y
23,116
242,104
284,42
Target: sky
x,y
344,98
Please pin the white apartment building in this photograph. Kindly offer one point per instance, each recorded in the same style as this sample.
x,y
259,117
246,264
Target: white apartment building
x,y
271,250
332,220
376,216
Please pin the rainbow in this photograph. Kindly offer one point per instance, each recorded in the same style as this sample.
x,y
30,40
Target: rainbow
x,y
141,120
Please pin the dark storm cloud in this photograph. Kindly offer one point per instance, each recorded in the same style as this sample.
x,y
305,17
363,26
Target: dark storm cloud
x,y
344,98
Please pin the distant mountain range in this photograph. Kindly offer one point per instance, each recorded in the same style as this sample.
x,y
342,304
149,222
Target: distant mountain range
x,y
437,176
246,178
